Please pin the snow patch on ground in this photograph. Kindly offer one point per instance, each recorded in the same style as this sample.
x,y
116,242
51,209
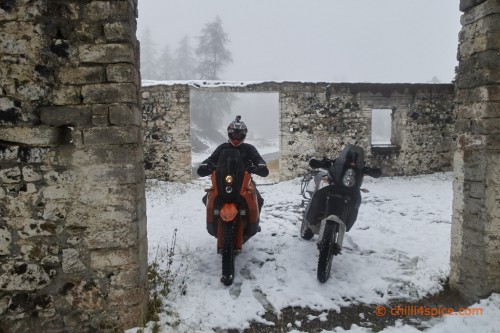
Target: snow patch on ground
x,y
399,248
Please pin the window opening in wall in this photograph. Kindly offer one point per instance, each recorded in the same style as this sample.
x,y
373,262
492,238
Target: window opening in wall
x,y
212,112
381,127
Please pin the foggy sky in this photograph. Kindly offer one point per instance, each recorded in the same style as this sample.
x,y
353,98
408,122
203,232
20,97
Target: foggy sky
x,y
319,40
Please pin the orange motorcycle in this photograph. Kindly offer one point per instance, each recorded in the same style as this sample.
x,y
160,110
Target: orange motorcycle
x,y
232,209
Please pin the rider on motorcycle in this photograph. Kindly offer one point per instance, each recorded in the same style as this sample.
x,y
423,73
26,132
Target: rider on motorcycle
x,y
236,132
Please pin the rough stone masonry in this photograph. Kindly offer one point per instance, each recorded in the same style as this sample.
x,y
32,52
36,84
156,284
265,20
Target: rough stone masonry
x,y
475,246
315,120
73,246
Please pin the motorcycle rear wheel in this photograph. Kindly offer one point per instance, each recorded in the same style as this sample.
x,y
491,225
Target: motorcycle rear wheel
x,y
326,252
228,257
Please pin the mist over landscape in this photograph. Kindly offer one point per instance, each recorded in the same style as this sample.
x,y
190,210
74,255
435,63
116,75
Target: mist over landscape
x,y
385,41
324,40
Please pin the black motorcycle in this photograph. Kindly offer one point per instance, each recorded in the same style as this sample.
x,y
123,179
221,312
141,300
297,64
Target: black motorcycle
x,y
333,195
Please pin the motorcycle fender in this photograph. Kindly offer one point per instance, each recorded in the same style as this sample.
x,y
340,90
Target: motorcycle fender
x,y
333,219
228,212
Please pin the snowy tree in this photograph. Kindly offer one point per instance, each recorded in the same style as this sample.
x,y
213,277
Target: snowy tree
x,y
434,79
148,56
166,65
184,61
212,52
208,109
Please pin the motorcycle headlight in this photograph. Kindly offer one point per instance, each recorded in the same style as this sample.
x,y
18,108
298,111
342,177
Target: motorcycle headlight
x,y
349,178
229,179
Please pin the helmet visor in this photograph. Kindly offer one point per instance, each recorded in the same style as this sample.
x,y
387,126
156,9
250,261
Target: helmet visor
x,y
235,134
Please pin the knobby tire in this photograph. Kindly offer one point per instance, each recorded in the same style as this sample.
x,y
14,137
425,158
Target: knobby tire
x,y
326,250
228,230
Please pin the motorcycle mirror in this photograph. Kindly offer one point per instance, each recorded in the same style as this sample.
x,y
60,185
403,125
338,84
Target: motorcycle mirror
x,y
373,172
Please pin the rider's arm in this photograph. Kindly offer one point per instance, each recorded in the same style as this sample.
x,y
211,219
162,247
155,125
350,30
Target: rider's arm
x,y
261,166
207,166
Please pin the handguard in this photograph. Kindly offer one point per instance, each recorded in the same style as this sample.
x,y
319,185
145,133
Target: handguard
x,y
325,163
372,172
259,170
205,169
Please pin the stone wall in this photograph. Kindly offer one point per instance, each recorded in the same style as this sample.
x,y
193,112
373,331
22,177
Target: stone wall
x,y
319,120
167,124
73,244
316,120
475,248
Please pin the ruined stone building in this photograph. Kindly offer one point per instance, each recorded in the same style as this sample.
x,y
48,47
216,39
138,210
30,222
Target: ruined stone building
x,y
315,119
73,243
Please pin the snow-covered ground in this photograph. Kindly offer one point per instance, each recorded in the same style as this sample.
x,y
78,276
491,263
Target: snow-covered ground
x,y
398,248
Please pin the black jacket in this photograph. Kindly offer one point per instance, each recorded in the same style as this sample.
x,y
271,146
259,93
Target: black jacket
x,y
249,154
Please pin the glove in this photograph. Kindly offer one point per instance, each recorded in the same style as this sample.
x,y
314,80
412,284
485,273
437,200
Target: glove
x,y
259,170
262,170
251,168
205,169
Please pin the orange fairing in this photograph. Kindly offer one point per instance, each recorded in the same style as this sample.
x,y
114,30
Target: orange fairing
x,y
250,196
228,212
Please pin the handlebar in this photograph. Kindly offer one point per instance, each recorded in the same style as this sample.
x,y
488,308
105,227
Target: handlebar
x,y
325,163
209,167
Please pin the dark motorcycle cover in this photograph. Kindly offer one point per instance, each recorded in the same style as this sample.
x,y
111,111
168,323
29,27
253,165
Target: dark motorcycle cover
x,y
336,198
230,163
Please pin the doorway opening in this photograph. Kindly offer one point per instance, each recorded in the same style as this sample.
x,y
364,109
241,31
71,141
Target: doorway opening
x,y
212,112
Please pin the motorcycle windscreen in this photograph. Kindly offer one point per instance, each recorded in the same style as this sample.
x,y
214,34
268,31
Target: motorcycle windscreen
x,y
333,199
350,154
229,164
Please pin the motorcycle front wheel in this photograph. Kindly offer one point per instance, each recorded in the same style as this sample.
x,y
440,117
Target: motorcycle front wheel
x,y
326,251
228,230
305,232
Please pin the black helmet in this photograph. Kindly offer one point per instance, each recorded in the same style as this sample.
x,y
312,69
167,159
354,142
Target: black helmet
x,y
237,131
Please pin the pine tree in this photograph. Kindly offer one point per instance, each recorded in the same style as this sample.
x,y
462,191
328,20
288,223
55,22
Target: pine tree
x,y
148,57
184,61
208,109
212,52
434,79
166,65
